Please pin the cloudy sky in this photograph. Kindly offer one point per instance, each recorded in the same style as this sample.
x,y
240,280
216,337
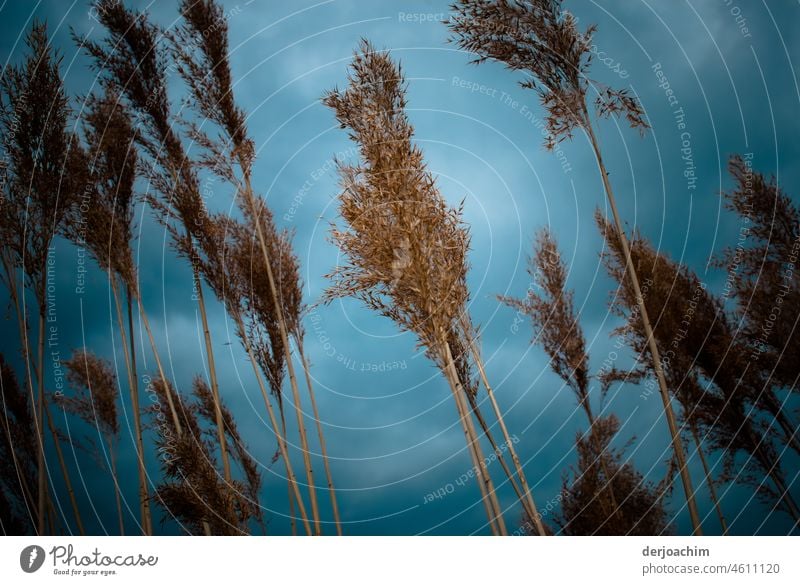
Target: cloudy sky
x,y
390,424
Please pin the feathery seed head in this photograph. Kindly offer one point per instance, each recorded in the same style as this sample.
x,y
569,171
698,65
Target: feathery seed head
x,y
405,249
96,391
543,41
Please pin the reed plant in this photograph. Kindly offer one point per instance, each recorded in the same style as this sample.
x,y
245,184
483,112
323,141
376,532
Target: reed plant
x,y
404,248
584,512
200,47
543,41
103,225
193,490
762,281
94,400
606,495
702,349
41,182
131,61
227,264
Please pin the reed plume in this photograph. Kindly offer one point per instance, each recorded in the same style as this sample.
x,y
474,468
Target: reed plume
x,y
240,454
554,319
582,497
605,495
95,402
227,265
41,181
762,280
262,326
103,225
692,395
96,394
200,46
700,343
193,490
131,61
544,42
404,248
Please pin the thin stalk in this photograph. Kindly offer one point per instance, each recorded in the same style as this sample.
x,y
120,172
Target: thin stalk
x,y
223,444
39,410
287,351
131,335
323,448
677,444
482,469
65,472
31,503
212,373
63,467
501,525
530,509
52,517
493,506
117,489
175,419
292,519
709,480
487,433
281,445
133,383
129,302
484,495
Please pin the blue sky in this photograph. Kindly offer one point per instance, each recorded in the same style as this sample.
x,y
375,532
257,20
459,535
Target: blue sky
x,y
390,424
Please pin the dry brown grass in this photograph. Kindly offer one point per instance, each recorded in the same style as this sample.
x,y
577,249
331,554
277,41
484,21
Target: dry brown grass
x,y
404,248
555,322
602,470
544,42
761,272
227,265
96,394
95,401
707,369
200,47
605,495
105,224
131,60
247,491
193,489
42,178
